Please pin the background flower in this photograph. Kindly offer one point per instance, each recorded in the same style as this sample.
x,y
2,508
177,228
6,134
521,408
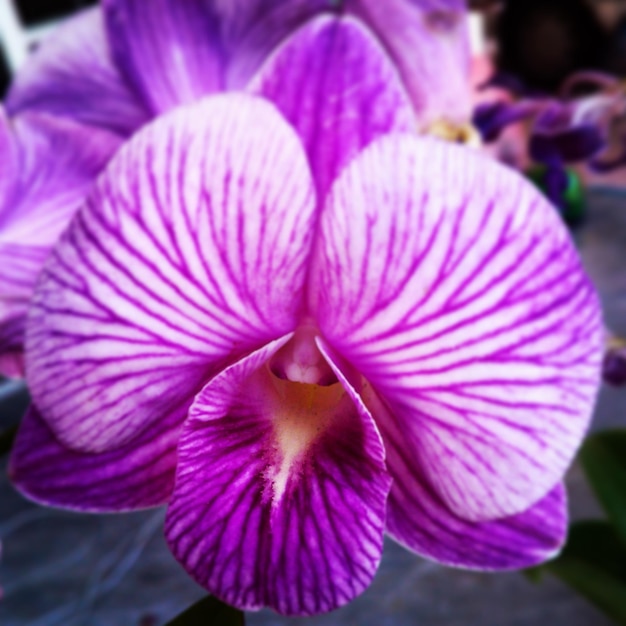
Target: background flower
x,y
47,166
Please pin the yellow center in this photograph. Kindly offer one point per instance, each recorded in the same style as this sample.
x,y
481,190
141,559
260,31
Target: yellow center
x,y
464,133
301,414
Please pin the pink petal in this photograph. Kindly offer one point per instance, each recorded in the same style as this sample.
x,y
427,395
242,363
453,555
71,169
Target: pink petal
x,y
191,251
418,519
429,42
277,504
50,163
71,75
334,83
135,476
454,288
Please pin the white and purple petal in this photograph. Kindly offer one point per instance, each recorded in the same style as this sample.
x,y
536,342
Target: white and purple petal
x,y
336,85
452,286
134,476
420,521
191,251
280,492
72,75
418,518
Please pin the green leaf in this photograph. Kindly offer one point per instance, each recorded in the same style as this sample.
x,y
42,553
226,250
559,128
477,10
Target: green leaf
x,y
209,612
594,563
603,457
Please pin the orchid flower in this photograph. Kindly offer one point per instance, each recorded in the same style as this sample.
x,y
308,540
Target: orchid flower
x,y
302,326
566,129
116,67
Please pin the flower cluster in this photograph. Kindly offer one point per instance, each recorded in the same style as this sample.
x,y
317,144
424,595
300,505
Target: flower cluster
x,y
565,129
282,311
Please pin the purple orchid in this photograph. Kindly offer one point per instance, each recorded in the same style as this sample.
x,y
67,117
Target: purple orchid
x,y
114,68
301,326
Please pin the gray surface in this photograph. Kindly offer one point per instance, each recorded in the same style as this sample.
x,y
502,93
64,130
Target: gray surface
x,y
84,570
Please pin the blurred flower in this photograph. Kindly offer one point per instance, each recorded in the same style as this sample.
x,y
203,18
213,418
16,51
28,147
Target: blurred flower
x,y
48,164
566,129
120,65
302,326
113,69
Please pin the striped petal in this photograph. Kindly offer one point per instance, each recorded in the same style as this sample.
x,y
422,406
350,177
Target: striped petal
x,y
454,288
280,492
71,75
363,98
135,476
51,163
190,252
418,519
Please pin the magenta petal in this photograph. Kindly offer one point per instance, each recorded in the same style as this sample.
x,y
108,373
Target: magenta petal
x,y
12,362
50,163
277,504
418,519
71,75
135,476
428,41
363,97
191,251
451,284
170,51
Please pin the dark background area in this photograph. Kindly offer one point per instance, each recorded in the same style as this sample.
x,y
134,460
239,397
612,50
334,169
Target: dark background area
x,y
4,73
34,13
37,11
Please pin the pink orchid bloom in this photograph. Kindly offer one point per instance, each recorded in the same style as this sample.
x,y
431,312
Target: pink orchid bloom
x,y
118,66
302,326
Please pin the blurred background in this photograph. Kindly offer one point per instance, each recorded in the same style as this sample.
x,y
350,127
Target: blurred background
x,y
65,569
